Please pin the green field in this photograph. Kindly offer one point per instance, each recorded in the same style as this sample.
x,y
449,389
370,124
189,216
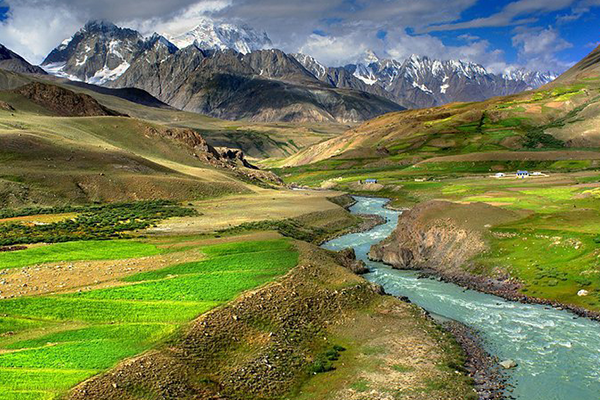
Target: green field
x,y
78,251
50,343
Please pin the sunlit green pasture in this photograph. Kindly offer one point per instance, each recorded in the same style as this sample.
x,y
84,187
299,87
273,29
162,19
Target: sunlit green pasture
x,y
50,343
77,251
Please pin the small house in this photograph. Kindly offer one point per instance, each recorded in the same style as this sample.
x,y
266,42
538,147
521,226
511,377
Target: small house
x,y
522,174
371,181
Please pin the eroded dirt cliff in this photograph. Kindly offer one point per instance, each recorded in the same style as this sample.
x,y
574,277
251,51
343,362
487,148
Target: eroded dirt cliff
x,y
444,237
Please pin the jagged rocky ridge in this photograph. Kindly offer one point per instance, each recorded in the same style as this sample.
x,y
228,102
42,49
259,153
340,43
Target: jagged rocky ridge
x,y
420,82
11,61
262,85
101,51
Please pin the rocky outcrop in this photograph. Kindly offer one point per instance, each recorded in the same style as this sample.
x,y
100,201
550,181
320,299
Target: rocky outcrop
x,y
235,156
219,157
6,107
423,241
64,102
347,258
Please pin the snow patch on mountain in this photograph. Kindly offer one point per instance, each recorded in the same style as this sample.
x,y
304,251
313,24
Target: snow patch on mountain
x,y
311,64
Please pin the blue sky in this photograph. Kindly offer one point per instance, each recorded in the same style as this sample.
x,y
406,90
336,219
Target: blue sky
x,y
500,34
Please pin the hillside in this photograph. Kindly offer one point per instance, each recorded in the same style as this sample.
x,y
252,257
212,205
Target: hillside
x,y
58,146
257,140
561,115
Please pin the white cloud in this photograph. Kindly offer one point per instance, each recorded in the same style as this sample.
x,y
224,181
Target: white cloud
x,y
538,48
580,8
180,22
515,13
336,50
51,24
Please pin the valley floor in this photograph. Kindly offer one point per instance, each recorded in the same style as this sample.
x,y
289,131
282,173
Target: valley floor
x,y
204,307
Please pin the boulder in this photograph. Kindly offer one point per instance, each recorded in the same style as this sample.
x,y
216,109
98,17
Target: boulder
x,y
508,364
582,293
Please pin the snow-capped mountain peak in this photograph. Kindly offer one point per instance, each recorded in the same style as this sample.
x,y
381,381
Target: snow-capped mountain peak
x,y
210,34
533,78
369,57
97,53
311,64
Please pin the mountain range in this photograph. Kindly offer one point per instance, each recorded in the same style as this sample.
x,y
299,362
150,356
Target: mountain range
x,y
258,85
420,82
223,70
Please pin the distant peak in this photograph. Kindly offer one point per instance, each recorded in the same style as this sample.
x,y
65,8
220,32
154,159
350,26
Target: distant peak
x,y
370,57
99,25
213,34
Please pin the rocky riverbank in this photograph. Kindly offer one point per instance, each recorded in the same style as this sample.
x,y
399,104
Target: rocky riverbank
x,y
488,379
441,238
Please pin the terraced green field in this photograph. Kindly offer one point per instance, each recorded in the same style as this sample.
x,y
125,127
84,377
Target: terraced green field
x,y
50,343
78,251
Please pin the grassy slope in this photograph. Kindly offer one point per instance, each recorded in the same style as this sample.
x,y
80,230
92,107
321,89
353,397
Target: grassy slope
x,y
555,117
56,341
49,159
258,140
77,251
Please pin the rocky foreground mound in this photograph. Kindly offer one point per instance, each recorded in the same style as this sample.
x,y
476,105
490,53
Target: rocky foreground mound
x,y
273,341
64,102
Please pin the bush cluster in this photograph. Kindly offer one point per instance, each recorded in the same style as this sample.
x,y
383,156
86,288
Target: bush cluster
x,y
96,222
287,227
324,362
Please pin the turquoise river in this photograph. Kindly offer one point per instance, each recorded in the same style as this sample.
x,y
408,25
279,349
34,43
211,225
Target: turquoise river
x,y
558,353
